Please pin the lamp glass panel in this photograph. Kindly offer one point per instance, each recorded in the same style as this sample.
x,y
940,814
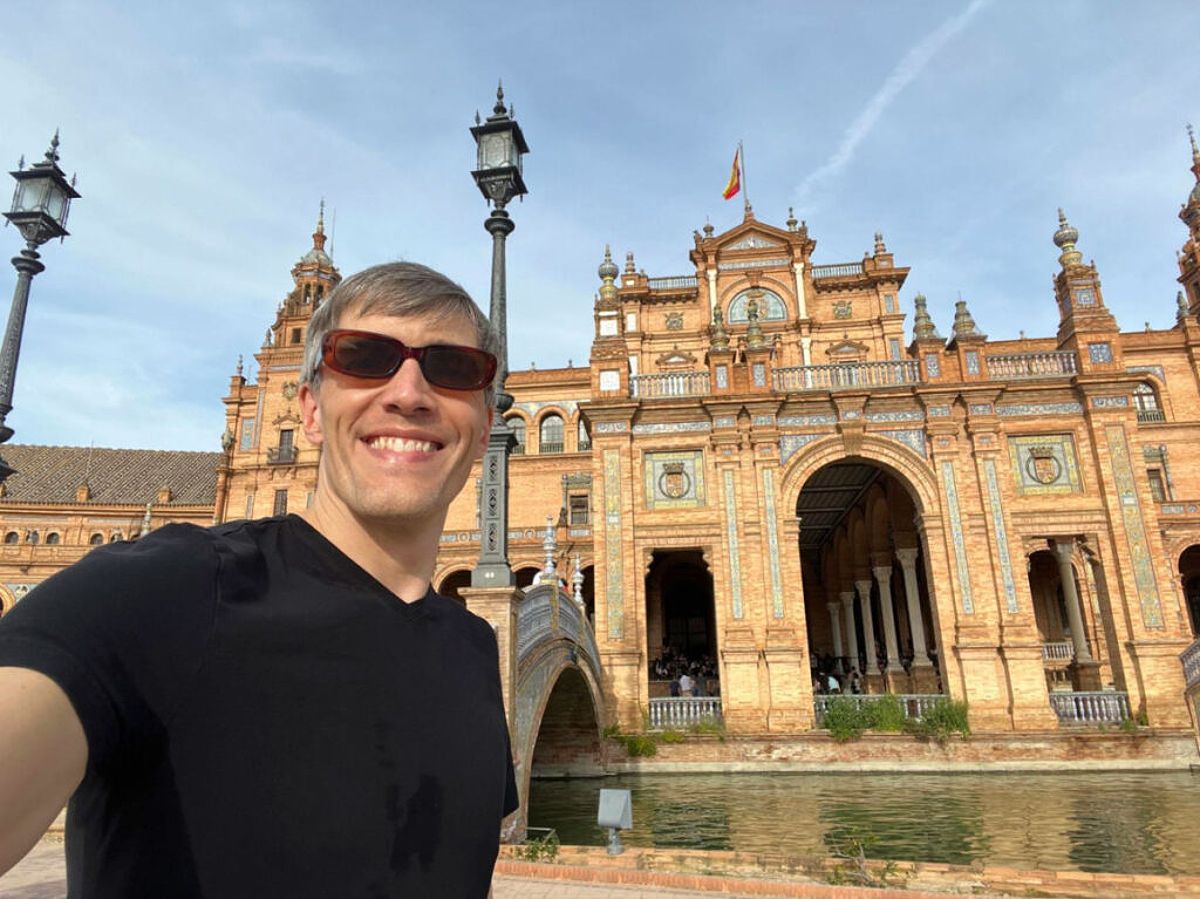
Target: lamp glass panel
x,y
30,195
56,203
494,150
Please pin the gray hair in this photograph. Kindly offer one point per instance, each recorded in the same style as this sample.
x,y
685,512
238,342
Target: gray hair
x,y
401,289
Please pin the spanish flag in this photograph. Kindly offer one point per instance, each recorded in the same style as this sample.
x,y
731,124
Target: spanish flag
x,y
735,176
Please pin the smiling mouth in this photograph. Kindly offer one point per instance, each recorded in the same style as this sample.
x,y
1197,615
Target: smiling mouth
x,y
403,445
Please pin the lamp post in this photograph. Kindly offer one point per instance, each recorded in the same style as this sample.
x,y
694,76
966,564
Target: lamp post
x,y
500,145
40,205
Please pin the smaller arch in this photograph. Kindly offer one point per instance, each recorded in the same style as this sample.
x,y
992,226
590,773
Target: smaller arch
x,y
517,424
116,537
551,434
12,537
96,539
53,538
1189,575
33,537
1147,403
771,307
454,581
525,575
583,435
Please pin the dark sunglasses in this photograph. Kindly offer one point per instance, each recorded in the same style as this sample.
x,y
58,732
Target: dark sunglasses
x,y
364,354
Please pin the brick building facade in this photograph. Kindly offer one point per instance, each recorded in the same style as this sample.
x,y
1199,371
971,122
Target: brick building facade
x,y
761,468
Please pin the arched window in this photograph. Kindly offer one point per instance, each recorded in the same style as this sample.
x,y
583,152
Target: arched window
x,y
1145,399
517,423
115,537
53,539
550,438
32,537
12,537
95,539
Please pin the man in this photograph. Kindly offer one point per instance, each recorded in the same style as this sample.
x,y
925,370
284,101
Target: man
x,y
283,707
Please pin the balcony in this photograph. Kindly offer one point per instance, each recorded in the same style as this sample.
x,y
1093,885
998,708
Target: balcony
x,y
548,448
1082,709
914,705
281,455
847,375
1027,366
831,272
683,711
680,282
1063,650
1151,416
680,383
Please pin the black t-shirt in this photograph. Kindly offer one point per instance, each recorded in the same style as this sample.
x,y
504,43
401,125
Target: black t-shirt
x,y
266,719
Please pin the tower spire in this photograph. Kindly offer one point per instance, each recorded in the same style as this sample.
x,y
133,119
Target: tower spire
x,y
319,235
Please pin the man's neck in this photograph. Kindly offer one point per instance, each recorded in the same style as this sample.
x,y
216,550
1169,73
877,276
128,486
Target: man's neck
x,y
399,553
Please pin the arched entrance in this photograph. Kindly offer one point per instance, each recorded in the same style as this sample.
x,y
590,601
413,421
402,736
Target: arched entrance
x,y
452,583
871,624
524,576
1069,647
1189,571
681,630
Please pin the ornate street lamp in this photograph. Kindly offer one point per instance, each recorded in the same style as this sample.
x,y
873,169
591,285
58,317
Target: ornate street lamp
x,y
40,206
498,173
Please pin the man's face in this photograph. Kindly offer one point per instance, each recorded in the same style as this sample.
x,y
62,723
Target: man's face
x,y
398,448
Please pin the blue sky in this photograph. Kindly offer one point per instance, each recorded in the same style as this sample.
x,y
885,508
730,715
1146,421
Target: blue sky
x,y
205,135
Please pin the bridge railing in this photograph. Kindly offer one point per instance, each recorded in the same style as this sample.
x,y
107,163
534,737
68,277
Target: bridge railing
x,y
683,711
1190,658
549,613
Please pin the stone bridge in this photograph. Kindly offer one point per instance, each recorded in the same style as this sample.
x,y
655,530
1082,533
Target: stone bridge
x,y
550,672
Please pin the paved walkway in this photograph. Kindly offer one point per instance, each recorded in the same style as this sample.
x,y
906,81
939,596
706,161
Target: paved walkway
x,y
40,875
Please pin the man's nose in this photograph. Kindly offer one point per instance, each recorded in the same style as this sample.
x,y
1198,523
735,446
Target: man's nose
x,y
407,389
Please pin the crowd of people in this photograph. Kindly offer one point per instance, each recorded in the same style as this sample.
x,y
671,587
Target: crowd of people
x,y
685,676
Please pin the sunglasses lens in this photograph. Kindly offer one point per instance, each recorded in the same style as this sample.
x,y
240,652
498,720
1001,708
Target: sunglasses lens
x,y
458,368
364,356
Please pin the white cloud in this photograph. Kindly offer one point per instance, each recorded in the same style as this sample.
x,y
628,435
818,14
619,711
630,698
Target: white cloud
x,y
905,72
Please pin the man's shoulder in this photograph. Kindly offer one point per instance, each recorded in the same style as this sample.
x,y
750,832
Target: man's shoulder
x,y
465,622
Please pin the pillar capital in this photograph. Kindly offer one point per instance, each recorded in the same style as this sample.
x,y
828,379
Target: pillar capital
x,y
907,556
1064,547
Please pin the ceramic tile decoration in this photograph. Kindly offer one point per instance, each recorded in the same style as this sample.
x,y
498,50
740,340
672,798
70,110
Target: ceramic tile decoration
x,y
768,477
997,509
614,593
731,539
674,480
956,533
1131,512
1044,463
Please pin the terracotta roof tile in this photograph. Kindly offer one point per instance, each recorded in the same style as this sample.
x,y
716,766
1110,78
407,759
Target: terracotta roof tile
x,y
53,474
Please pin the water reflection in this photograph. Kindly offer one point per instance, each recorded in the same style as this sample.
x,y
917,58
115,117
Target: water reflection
x,y
1131,823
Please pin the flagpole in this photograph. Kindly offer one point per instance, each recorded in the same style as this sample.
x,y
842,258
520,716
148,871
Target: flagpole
x,y
745,190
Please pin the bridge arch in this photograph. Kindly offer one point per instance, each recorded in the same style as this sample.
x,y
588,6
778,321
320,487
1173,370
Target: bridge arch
x,y
559,700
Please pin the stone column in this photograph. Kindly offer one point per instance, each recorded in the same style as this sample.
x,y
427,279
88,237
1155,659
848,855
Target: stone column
x,y
835,625
806,350
801,302
883,577
851,633
916,624
712,290
872,661
1063,550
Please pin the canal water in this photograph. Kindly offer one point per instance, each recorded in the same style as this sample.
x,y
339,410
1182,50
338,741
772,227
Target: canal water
x,y
1108,822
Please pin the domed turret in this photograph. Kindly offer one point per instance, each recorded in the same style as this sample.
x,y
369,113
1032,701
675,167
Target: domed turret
x,y
1065,238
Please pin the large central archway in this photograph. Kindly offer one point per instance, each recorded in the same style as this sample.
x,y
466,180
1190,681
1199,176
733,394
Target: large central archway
x,y
871,619
681,627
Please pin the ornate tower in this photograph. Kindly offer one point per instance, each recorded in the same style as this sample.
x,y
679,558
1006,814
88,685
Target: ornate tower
x,y
1085,324
1189,255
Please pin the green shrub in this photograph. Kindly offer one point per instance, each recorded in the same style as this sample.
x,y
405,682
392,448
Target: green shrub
x,y
1128,726
941,721
611,731
845,719
708,726
537,849
884,713
672,736
640,744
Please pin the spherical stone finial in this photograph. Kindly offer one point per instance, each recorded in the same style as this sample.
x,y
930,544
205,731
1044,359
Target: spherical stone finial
x,y
791,219
630,268
880,246
499,109
608,268
708,229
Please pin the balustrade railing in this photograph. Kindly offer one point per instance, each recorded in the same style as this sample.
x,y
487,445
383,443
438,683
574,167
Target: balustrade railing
x,y
683,711
1103,707
281,455
679,383
845,270
1190,658
915,705
1151,416
1015,366
847,375
549,448
1053,652
675,283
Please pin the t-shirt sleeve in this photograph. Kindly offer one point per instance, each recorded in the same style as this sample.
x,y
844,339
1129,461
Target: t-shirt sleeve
x,y
122,632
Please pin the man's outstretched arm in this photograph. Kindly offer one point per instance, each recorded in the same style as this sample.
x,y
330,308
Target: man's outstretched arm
x,y
45,755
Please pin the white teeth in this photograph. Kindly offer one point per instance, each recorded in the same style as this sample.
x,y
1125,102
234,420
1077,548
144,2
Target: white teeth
x,y
402,445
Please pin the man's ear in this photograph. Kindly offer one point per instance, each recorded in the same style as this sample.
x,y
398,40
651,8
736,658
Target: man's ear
x,y
310,414
487,430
